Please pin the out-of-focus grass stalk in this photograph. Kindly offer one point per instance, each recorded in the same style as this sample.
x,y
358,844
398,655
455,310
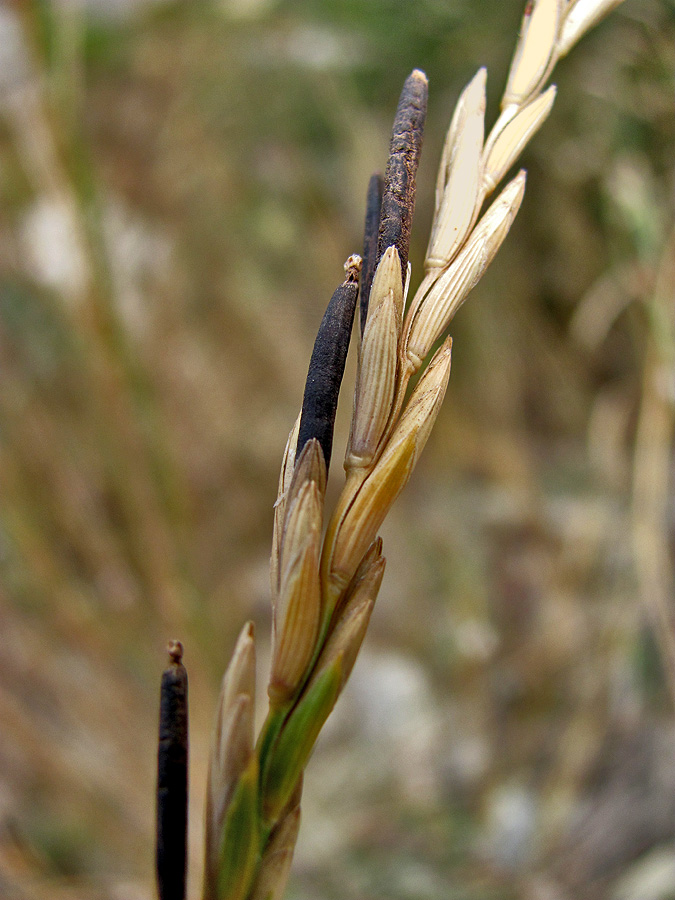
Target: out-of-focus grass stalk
x,y
652,479
47,123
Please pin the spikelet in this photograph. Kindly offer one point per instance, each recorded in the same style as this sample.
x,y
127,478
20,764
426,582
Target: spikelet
x,y
510,135
535,53
351,624
310,467
388,279
432,313
285,478
231,749
297,609
458,189
275,864
376,380
580,17
360,524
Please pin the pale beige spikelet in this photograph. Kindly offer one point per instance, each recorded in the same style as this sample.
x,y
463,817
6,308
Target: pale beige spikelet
x,y
388,278
285,478
458,190
361,522
582,16
235,747
275,865
433,312
305,515
508,138
231,748
239,677
351,624
376,382
408,276
310,467
535,53
298,608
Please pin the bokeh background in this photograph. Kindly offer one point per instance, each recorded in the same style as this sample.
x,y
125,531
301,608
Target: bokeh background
x,y
180,183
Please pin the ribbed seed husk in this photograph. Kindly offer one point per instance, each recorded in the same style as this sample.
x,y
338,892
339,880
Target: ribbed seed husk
x,y
236,740
535,52
505,145
275,865
582,16
239,848
362,520
304,514
309,466
240,675
352,621
232,744
436,309
285,478
296,617
458,191
388,278
376,381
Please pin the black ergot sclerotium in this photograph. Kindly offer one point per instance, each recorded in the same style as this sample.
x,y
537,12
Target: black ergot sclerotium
x,y
398,198
172,779
327,365
370,238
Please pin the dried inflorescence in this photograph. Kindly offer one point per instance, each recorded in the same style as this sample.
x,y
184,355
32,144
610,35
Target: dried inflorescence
x,y
324,586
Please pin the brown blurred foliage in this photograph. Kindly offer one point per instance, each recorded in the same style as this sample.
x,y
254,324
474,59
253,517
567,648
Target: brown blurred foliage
x,y
180,183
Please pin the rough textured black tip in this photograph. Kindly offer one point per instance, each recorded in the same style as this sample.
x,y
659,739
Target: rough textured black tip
x,y
326,369
370,237
398,199
172,781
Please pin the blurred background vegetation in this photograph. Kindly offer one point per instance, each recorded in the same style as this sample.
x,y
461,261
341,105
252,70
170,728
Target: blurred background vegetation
x,y
180,183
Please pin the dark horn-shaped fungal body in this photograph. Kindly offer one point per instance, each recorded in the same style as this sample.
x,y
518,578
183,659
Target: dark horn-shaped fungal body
x,y
370,238
327,364
172,779
398,199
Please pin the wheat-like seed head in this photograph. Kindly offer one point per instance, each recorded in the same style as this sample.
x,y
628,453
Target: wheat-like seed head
x,y
324,587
